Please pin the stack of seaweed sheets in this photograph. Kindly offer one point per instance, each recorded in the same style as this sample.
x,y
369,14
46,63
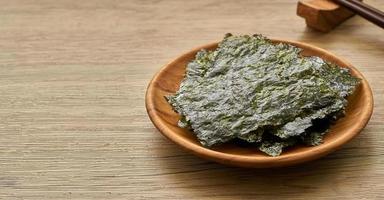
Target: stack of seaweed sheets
x,y
262,93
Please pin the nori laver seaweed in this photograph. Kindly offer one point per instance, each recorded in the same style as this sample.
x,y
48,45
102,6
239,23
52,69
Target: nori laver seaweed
x,y
261,92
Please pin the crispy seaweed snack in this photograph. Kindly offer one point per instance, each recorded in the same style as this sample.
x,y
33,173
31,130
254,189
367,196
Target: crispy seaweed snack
x,y
262,93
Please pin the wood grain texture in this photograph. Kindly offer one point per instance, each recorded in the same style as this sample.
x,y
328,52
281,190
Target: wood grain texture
x,y
322,15
73,121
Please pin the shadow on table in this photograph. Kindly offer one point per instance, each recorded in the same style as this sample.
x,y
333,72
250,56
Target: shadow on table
x,y
196,176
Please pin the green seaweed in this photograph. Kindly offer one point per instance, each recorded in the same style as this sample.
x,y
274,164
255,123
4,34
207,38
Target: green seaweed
x,y
249,85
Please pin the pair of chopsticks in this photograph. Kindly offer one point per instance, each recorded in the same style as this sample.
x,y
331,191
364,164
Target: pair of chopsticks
x,y
364,10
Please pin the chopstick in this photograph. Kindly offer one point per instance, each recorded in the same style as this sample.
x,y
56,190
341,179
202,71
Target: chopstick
x,y
364,10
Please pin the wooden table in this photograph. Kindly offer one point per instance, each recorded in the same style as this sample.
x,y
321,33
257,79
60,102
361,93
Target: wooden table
x,y
73,75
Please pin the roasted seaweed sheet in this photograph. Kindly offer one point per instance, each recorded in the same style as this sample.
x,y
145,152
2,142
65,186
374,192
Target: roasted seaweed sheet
x,y
261,92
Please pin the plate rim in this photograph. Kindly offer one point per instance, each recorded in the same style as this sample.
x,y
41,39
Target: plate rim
x,y
267,161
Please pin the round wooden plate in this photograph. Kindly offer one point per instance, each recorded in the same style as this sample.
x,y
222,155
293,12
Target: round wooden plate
x,y
167,81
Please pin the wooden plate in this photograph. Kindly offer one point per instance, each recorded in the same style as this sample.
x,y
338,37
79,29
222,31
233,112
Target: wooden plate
x,y
167,81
